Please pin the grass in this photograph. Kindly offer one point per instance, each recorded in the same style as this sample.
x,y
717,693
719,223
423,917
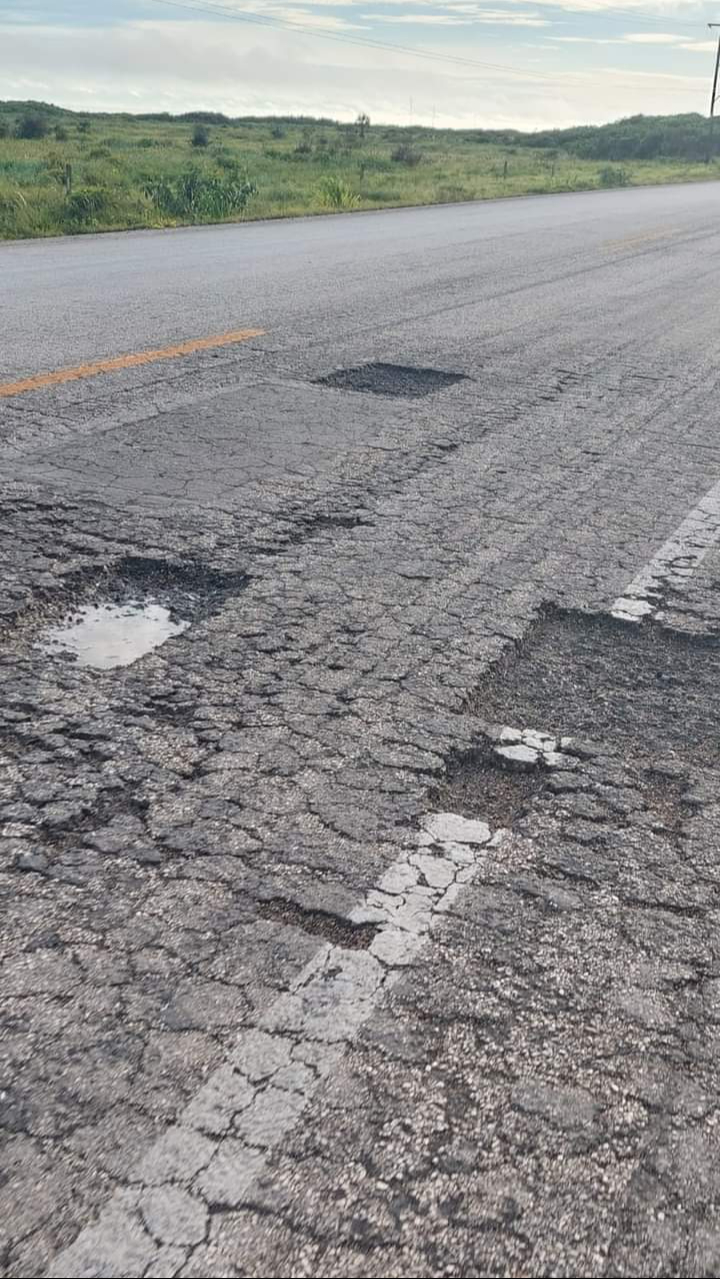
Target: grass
x,y
141,172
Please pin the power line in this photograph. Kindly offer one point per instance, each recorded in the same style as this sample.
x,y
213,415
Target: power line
x,y
249,15
323,33
637,16
634,15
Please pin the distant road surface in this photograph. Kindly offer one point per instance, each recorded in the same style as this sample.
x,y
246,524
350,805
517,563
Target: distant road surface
x,y
313,280
368,925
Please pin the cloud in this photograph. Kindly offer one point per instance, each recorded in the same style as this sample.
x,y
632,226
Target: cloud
x,y
421,19
667,41
461,15
306,18
651,37
699,46
584,40
457,13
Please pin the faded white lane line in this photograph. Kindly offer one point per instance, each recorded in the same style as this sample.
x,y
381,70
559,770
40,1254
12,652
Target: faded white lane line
x,y
675,561
224,1137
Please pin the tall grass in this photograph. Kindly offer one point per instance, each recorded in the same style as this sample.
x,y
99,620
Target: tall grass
x,y
144,172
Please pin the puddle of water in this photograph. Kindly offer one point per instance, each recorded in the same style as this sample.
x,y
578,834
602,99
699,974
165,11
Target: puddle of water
x,y
108,635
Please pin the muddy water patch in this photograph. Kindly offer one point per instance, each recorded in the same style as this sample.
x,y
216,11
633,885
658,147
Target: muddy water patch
x,y
103,636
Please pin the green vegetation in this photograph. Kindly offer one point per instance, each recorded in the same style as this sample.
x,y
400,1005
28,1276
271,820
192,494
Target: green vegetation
x,y
65,172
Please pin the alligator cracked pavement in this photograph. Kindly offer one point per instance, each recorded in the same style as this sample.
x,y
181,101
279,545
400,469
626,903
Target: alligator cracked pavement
x,y
367,923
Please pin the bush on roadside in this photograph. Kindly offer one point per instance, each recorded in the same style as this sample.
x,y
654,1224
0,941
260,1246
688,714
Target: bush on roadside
x,y
336,194
609,176
197,195
32,125
88,203
407,155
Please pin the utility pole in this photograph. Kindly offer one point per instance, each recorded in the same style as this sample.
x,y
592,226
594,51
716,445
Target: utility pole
x,y
713,96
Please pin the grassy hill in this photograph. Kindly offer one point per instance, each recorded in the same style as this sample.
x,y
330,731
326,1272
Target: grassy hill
x,y
70,172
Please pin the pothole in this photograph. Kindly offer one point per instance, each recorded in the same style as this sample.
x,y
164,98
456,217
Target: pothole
x,y
319,923
110,615
640,689
103,636
477,784
397,380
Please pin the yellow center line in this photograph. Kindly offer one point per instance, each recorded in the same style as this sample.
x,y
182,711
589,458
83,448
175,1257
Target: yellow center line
x,y
631,242
126,361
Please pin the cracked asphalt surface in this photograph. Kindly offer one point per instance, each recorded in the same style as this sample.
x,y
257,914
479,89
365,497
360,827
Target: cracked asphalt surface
x,y
314,960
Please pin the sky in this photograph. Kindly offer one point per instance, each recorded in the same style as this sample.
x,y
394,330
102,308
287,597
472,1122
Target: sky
x,y
523,64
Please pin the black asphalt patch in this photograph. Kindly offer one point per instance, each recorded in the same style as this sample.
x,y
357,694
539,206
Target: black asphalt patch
x,y
395,380
646,689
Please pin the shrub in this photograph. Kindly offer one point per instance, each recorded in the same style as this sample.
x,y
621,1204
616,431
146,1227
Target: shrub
x,y
84,126
277,131
609,176
4,130
452,193
304,146
405,154
196,195
87,203
61,133
200,136
336,194
201,117
227,160
32,125
374,161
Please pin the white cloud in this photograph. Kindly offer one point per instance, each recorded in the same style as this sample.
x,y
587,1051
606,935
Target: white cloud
x,y
583,40
422,19
651,37
699,46
306,18
460,14
667,41
462,18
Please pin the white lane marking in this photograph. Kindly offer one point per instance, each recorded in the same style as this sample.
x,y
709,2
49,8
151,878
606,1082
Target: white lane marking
x,y
675,561
224,1137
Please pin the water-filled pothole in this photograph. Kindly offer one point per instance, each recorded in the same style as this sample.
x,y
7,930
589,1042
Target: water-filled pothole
x,y
109,615
107,635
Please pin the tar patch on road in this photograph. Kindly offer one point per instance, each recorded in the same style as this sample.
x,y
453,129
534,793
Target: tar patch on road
x,y
640,690
391,379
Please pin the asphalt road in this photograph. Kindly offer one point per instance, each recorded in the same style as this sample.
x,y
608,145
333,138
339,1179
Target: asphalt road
x,y
368,925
